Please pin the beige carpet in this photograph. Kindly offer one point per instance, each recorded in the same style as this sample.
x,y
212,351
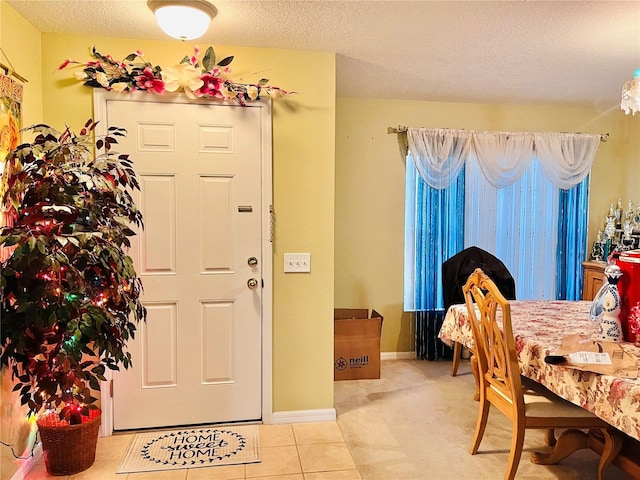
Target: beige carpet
x,y
417,422
191,448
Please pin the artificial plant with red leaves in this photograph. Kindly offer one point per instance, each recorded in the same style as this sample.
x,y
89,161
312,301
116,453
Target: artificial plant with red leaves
x,y
69,291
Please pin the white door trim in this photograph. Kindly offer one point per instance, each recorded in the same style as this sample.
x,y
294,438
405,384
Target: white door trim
x,y
100,100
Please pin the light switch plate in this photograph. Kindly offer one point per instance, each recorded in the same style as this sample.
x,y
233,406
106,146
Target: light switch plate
x,y
297,262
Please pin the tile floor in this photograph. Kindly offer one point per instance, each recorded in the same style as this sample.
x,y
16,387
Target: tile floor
x,y
301,451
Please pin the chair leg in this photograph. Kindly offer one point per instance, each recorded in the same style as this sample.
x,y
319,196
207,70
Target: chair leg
x,y
457,352
517,441
481,424
476,376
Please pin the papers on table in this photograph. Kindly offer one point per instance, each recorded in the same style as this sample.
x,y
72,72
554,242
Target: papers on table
x,y
590,358
587,354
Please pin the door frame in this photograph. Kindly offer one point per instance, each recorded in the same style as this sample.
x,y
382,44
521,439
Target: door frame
x,y
100,102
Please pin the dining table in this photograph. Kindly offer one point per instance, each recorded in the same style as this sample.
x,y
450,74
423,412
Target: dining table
x,y
539,327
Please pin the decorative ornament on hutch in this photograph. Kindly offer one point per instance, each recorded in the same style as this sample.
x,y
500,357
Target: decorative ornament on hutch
x,y
618,213
621,231
597,252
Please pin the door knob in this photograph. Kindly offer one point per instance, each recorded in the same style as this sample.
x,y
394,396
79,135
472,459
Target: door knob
x,y
252,261
252,283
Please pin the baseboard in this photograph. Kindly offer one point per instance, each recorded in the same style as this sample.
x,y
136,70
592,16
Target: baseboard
x,y
28,464
301,416
397,355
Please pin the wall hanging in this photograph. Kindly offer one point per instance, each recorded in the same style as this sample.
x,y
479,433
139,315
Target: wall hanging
x,y
11,90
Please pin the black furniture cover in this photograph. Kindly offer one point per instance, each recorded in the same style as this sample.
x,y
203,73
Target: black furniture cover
x,y
457,269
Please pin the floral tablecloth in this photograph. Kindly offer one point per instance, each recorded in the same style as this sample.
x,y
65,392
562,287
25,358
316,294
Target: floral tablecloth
x,y
538,327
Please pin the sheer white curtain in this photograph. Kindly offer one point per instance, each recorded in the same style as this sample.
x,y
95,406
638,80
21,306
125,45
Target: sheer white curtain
x,y
566,157
503,157
439,154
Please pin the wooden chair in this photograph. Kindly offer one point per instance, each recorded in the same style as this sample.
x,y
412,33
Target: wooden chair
x,y
528,405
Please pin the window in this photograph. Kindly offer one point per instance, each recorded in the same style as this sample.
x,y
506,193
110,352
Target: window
x,y
502,192
518,224
525,225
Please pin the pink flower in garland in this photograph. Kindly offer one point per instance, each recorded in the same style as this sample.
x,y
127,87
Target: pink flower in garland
x,y
211,87
147,81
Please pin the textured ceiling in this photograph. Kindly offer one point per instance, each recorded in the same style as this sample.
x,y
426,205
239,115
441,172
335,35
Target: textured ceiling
x,y
569,52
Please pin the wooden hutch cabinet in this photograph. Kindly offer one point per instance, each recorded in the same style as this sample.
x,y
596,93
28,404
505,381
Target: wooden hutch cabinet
x,y
593,273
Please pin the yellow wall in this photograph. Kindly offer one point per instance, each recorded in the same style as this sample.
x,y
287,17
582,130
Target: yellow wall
x,y
370,187
21,45
20,42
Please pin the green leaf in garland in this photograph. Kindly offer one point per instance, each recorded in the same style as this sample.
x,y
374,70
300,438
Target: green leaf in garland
x,y
209,59
225,61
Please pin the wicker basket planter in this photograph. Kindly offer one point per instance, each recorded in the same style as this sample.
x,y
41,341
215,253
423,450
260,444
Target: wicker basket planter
x,y
68,449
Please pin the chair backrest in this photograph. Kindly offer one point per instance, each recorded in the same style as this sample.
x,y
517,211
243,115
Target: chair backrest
x,y
457,269
490,319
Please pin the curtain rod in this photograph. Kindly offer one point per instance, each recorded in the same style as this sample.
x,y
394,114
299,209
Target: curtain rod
x,y
10,70
13,73
403,129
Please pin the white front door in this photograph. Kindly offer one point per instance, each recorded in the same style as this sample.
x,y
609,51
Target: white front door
x,y
198,357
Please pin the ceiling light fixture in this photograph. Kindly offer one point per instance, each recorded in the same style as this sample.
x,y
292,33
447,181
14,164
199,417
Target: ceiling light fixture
x,y
631,95
183,19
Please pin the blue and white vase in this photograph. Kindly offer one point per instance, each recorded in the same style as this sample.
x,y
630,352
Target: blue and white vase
x,y
608,298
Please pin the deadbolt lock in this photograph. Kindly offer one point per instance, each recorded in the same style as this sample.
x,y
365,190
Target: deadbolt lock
x,y
252,261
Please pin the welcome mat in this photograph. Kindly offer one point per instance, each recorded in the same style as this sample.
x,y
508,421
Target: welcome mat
x,y
192,448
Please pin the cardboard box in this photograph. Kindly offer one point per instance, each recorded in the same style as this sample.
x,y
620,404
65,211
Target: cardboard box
x,y
356,343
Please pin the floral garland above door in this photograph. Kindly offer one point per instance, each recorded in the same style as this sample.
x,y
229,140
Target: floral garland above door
x,y
206,78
